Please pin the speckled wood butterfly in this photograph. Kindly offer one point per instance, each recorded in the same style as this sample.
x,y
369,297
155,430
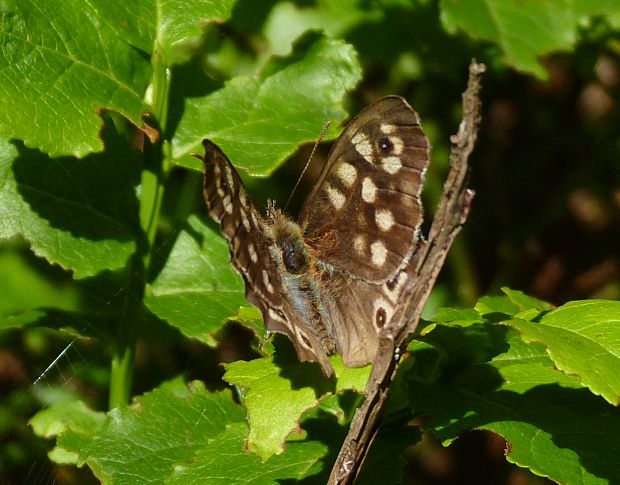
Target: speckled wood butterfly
x,y
332,280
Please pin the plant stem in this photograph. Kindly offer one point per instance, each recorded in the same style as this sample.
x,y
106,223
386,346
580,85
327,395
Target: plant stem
x,y
157,158
156,163
121,376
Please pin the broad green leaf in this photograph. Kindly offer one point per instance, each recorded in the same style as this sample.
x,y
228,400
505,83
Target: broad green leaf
x,y
56,419
181,22
24,290
526,302
76,415
457,316
223,460
583,339
146,440
288,21
60,65
79,214
553,425
134,22
258,121
197,290
524,30
278,389
171,25
497,304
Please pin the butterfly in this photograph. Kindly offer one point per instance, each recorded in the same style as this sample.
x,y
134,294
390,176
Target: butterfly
x,y
331,280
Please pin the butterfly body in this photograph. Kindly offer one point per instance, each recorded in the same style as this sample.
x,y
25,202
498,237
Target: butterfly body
x,y
332,280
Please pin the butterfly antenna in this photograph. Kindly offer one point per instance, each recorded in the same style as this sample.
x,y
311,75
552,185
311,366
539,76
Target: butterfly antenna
x,y
321,136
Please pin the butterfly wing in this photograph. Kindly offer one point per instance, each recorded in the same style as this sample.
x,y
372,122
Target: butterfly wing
x,y
361,310
249,239
365,211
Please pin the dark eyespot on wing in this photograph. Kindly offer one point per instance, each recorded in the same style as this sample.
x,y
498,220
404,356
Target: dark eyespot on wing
x,y
380,318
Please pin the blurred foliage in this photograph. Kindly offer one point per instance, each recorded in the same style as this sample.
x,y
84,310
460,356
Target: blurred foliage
x,y
104,247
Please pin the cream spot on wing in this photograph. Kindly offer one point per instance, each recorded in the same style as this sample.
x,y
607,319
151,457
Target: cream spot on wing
x,y
274,315
397,144
227,204
359,137
391,165
254,220
244,219
229,177
378,253
384,219
252,253
359,245
396,287
218,181
336,197
266,281
369,190
387,128
363,146
242,197
347,173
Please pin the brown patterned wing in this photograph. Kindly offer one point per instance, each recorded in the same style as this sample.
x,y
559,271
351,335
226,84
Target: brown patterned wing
x,y
360,311
250,241
365,211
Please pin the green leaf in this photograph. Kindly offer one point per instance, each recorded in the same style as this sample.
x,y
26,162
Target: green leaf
x,y
171,26
24,290
279,389
181,23
526,302
258,121
133,22
79,214
60,64
583,339
147,439
224,461
56,419
288,21
553,425
524,30
457,316
497,304
197,290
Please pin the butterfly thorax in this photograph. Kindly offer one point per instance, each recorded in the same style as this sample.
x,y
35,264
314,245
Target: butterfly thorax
x,y
289,244
300,274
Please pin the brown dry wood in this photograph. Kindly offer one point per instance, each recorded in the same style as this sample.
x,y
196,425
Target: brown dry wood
x,y
451,214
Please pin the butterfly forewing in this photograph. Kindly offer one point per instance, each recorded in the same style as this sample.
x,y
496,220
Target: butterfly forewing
x,y
365,211
250,240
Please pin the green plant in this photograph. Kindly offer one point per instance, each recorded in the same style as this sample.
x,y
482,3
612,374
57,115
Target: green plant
x,y
101,107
